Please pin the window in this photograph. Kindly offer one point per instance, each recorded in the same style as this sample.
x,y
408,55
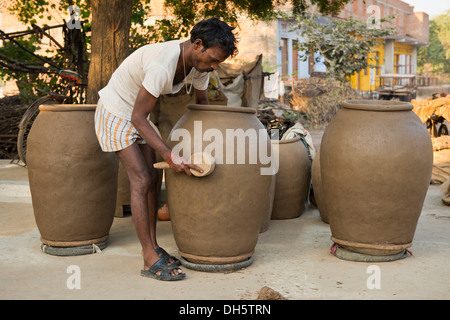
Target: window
x,y
284,56
402,63
289,57
295,70
377,55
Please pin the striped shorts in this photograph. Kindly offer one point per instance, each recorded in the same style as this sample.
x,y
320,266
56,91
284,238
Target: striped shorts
x,y
114,133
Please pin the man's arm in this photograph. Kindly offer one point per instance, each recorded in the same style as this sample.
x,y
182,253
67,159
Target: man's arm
x,y
201,96
143,106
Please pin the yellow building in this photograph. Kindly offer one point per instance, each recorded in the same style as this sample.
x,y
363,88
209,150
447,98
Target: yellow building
x,y
398,53
404,62
366,79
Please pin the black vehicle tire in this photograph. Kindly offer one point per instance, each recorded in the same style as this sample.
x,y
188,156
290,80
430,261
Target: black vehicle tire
x,y
443,130
430,127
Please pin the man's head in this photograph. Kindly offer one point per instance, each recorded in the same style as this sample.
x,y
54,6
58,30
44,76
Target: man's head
x,y
215,42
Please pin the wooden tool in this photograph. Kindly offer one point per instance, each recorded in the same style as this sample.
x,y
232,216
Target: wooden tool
x,y
203,160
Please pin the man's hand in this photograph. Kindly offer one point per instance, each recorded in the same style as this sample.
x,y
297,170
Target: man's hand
x,y
180,164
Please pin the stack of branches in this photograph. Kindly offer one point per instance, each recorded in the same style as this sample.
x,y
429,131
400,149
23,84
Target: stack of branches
x,y
14,65
309,88
303,90
11,111
318,99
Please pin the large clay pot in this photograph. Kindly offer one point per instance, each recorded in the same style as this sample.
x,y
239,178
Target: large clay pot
x,y
293,179
216,219
268,215
169,109
376,160
317,187
73,183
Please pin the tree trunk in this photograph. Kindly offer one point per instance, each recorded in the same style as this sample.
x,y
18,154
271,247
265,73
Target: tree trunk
x,y
111,22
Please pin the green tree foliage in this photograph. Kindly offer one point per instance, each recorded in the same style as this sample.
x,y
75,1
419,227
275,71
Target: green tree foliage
x,y
344,45
437,53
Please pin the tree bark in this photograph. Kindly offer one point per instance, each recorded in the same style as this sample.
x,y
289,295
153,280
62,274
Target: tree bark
x,y
111,22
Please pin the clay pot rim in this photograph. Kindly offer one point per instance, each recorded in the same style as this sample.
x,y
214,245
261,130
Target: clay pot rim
x,y
377,105
67,107
210,107
291,140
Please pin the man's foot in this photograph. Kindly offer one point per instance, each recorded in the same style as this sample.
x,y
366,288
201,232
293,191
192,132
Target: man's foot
x,y
161,271
171,259
151,258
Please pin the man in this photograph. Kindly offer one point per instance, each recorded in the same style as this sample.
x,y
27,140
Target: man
x,y
122,124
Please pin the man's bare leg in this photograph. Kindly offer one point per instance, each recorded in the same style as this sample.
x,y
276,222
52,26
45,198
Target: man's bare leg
x,y
152,196
143,181
150,157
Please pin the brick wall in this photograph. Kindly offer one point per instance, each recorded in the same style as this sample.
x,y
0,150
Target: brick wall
x,y
420,21
407,22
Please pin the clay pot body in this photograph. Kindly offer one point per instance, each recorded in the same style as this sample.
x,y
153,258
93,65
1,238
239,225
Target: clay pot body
x,y
293,178
375,162
73,182
216,219
317,187
169,109
163,213
268,215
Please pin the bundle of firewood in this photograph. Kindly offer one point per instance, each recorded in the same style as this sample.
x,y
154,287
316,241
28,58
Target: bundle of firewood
x,y
438,110
439,106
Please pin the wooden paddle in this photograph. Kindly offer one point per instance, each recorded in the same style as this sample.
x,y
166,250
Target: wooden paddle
x,y
207,164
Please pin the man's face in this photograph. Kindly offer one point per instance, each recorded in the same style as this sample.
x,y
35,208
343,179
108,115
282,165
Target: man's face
x,y
209,59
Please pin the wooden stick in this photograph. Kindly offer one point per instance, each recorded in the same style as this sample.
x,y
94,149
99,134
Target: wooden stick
x,y
207,163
